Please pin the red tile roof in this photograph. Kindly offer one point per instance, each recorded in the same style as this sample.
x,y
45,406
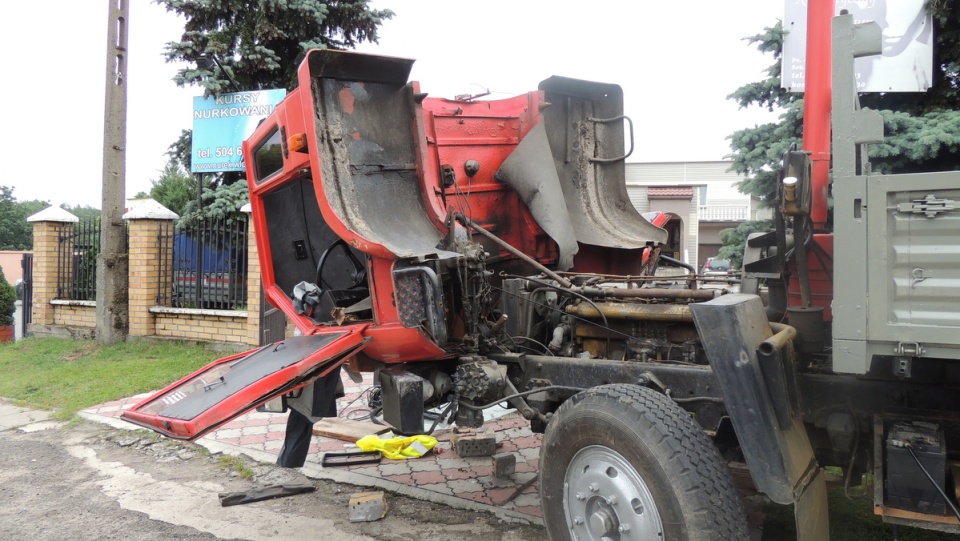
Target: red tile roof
x,y
670,192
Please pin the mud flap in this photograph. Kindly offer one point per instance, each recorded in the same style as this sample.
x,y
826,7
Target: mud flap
x,y
755,370
229,387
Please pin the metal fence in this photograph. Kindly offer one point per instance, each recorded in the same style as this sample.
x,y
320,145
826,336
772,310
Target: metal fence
x,y
204,264
26,290
78,245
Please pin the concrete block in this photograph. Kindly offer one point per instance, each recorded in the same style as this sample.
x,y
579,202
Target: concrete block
x,y
367,506
474,442
504,464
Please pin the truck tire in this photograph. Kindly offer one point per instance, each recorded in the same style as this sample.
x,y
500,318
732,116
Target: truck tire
x,y
622,462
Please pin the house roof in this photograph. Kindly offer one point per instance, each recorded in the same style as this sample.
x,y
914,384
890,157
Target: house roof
x,y
670,192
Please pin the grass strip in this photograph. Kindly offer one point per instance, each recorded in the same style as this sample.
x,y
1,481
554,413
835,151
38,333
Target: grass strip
x,y
69,375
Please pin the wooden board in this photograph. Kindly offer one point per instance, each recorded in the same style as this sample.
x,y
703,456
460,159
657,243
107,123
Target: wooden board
x,y
346,429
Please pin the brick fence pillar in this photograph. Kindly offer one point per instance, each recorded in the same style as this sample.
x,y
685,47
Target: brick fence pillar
x,y
147,221
253,282
46,256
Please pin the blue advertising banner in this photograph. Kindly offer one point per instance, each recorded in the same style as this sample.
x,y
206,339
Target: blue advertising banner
x,y
220,124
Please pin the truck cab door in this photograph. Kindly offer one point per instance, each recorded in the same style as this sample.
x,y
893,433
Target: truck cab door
x,y
229,387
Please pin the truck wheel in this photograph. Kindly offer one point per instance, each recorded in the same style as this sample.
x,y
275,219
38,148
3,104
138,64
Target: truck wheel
x,y
622,462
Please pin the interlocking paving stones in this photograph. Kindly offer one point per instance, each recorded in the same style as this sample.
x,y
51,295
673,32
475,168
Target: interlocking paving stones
x,y
443,473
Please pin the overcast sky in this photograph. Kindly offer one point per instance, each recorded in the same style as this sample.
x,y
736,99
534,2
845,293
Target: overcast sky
x,y
676,62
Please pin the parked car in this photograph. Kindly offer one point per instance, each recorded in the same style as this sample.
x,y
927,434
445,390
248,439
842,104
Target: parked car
x,y
224,274
715,266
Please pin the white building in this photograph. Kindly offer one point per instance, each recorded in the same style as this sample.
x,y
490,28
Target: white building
x,y
702,196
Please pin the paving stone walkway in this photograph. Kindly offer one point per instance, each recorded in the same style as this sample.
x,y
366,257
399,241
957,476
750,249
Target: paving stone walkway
x,y
441,475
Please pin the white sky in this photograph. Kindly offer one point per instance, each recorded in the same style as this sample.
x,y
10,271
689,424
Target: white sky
x,y
676,62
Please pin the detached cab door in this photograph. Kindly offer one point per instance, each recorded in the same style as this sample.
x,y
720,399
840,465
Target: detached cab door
x,y
231,386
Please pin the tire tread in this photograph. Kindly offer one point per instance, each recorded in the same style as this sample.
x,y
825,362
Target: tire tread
x,y
700,470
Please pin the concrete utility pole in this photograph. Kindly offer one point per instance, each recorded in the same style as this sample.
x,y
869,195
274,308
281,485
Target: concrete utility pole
x,y
112,262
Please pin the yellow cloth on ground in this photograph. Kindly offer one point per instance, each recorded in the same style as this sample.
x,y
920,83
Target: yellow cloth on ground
x,y
398,448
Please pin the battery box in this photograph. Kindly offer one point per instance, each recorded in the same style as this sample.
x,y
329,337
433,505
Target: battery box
x,y
906,486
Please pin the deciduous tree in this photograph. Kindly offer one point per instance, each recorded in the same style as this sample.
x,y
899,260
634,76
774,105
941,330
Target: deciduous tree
x,y
174,188
15,232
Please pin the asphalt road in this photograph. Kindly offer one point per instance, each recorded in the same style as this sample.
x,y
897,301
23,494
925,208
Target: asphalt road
x,y
87,481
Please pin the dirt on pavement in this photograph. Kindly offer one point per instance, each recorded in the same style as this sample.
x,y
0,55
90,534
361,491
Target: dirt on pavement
x,y
88,481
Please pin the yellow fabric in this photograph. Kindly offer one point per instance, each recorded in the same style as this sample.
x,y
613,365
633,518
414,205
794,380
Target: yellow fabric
x,y
398,448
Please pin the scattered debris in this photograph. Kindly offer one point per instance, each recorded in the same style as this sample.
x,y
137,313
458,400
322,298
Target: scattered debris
x,y
345,429
351,458
520,490
504,464
473,441
265,493
367,506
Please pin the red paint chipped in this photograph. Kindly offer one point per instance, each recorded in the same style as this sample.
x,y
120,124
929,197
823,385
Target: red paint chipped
x,y
355,135
347,100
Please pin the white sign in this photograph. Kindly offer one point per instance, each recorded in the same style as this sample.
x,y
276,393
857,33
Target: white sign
x,y
906,63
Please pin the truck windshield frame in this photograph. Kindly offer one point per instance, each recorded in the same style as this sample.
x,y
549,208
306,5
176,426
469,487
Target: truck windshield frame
x,y
268,156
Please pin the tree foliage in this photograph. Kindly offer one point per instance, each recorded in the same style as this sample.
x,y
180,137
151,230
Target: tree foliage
x,y
921,130
222,202
260,43
734,240
8,299
174,188
232,45
83,212
15,232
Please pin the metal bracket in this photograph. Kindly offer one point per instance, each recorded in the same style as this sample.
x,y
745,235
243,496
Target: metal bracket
x,y
909,349
902,367
930,206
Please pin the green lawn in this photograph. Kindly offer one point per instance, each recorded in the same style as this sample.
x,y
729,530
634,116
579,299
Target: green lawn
x,y
69,375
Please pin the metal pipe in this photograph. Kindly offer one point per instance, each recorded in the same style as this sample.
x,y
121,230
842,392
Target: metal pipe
x,y
676,313
506,246
803,272
651,293
782,335
816,104
678,263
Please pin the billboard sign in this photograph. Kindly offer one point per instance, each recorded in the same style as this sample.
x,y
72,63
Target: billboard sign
x,y
906,63
221,123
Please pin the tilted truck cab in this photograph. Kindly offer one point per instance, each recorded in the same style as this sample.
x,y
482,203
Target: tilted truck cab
x,y
477,252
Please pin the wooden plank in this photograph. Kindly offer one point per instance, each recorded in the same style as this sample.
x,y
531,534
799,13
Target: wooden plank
x,y
346,429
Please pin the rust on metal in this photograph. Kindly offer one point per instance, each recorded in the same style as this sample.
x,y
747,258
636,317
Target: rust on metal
x,y
633,311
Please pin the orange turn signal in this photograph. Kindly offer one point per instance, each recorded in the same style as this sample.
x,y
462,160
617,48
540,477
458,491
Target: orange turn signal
x,y
297,142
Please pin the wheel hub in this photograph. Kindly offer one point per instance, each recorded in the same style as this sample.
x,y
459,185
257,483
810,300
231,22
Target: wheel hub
x,y
606,499
603,523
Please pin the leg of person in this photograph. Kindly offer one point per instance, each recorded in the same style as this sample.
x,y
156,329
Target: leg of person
x,y
296,442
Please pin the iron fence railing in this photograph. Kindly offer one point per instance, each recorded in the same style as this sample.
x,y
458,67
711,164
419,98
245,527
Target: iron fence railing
x,y
78,245
204,264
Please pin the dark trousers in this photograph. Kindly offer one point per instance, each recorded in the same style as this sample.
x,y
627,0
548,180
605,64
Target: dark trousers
x,y
296,442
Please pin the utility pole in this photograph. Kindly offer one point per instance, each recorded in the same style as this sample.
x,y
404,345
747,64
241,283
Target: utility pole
x,y
112,262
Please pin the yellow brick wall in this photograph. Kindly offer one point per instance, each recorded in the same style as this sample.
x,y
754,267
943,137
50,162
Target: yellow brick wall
x,y
75,316
45,247
144,273
253,286
202,327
